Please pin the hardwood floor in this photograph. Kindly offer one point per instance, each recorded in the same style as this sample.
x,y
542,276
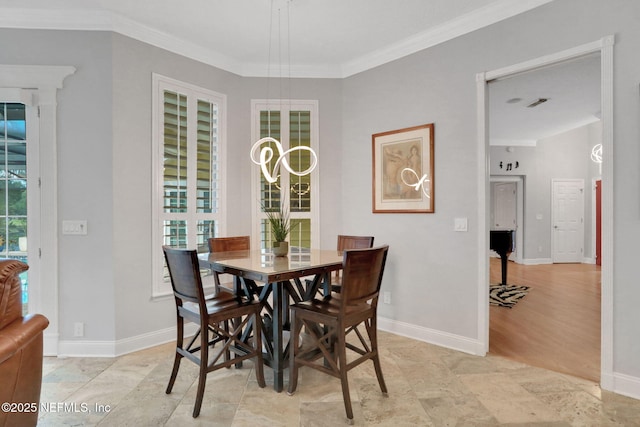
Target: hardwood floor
x,y
557,325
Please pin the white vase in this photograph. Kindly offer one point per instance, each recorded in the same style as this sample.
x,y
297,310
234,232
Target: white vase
x,y
22,244
280,248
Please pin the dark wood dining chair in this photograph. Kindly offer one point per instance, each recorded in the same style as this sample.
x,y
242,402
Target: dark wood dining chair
x,y
229,244
331,319
344,243
233,244
213,315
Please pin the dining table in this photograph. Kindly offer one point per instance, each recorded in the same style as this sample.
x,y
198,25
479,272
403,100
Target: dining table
x,y
276,281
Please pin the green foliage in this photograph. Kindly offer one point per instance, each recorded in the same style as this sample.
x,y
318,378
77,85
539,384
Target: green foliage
x,y
279,221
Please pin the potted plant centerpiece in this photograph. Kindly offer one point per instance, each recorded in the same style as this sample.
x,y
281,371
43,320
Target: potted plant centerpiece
x,y
280,227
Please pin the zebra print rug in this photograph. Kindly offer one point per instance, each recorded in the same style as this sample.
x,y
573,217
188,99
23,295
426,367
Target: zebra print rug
x,y
506,296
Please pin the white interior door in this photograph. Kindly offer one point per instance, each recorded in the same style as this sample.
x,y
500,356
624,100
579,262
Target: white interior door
x,y
505,212
567,210
504,206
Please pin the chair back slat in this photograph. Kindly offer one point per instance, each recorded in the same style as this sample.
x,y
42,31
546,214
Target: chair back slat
x,y
362,274
354,242
229,244
350,242
185,273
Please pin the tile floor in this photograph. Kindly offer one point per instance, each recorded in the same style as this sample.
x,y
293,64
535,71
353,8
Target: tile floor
x,y
428,386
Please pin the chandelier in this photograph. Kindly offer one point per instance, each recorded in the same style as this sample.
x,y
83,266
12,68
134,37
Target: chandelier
x,y
262,152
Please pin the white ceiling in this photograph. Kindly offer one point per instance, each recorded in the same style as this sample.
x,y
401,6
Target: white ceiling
x,y
572,90
330,39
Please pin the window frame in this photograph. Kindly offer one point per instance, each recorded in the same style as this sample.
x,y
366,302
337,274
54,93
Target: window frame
x,y
284,106
161,285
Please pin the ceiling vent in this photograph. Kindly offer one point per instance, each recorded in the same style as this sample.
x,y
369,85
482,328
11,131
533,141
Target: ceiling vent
x,y
537,102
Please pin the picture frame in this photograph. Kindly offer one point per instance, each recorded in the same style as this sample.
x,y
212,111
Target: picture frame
x,y
403,170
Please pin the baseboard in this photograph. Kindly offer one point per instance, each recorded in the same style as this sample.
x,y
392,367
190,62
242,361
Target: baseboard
x,y
541,261
625,385
432,336
618,383
50,343
84,348
537,261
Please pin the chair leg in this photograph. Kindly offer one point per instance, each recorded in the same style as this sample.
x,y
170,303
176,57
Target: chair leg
x,y
373,337
174,373
178,356
342,364
202,376
296,327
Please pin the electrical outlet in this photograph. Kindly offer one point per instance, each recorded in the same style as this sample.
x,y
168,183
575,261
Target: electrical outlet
x,y
386,296
78,329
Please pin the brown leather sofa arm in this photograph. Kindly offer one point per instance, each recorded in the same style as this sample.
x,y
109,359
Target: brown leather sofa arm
x,y
19,333
10,291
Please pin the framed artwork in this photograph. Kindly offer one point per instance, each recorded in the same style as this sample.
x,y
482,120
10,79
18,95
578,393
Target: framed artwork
x,y
403,170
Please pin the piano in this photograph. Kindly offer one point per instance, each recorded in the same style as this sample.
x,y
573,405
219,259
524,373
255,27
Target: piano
x,y
503,242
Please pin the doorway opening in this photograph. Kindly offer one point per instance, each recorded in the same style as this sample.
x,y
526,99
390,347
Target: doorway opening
x,y
535,251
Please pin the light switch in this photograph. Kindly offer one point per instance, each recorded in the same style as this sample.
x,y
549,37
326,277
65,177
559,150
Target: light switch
x,y
460,224
76,227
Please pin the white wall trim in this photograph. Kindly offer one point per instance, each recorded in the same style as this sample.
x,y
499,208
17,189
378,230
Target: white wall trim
x,y
432,336
46,80
605,47
548,60
484,210
104,20
606,316
537,261
490,14
84,348
624,384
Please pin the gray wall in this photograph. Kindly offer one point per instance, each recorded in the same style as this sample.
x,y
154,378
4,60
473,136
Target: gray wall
x,y
104,165
432,271
85,170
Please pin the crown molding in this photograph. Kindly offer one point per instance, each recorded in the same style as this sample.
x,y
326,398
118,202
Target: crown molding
x,y
464,24
100,20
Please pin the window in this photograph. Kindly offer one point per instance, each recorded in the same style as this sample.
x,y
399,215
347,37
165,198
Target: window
x,y
293,123
189,129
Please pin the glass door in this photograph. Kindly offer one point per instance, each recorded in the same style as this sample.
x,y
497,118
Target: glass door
x,y
13,187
